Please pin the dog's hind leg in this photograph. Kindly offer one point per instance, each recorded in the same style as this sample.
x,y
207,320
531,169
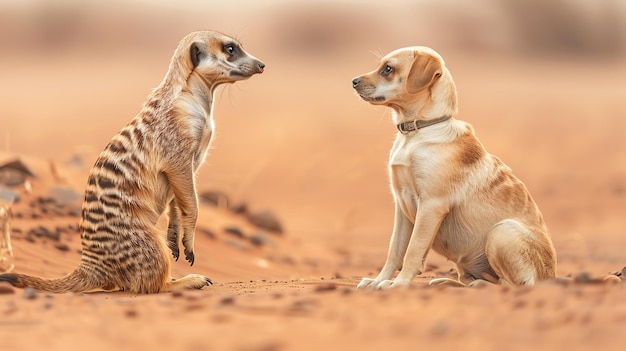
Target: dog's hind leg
x,y
519,256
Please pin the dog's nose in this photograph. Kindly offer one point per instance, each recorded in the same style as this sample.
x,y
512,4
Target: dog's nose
x,y
356,82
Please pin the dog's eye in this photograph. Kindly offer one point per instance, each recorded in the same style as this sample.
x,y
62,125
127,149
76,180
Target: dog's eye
x,y
386,70
231,50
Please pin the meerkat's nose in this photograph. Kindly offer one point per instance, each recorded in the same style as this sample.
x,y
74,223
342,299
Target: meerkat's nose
x,y
260,66
356,82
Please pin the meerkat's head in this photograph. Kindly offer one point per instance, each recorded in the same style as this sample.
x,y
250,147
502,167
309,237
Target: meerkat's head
x,y
216,58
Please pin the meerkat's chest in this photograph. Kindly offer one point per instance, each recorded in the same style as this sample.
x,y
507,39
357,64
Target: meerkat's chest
x,y
204,141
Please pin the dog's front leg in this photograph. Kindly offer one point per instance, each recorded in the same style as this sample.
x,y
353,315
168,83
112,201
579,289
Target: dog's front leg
x,y
397,248
429,218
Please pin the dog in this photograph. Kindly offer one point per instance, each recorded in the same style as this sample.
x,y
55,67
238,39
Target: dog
x,y
450,194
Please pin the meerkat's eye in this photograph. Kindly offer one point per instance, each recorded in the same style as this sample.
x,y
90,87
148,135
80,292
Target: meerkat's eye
x,y
386,70
231,50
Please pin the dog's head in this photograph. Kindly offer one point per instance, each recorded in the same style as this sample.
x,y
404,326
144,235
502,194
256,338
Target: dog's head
x,y
410,79
216,58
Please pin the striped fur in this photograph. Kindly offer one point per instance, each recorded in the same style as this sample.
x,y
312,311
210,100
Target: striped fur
x,y
148,166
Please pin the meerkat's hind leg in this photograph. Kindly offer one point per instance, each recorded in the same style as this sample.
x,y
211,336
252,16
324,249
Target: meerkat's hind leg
x,y
173,229
190,281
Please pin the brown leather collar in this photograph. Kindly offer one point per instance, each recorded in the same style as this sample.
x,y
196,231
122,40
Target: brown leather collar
x,y
407,127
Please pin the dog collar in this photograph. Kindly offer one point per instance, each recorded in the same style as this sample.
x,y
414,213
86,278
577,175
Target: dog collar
x,y
407,127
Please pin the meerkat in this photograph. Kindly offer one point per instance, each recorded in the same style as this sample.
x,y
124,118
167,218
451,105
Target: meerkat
x,y
148,167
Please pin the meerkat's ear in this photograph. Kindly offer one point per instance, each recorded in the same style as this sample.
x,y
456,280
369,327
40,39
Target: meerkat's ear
x,y
197,51
424,71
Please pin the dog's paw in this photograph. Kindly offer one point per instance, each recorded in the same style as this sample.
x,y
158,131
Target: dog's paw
x,y
392,284
367,283
385,284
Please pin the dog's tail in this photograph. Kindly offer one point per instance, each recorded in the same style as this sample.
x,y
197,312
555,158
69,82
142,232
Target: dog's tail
x,y
77,281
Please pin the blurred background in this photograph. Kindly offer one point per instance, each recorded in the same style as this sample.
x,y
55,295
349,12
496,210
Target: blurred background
x,y
543,83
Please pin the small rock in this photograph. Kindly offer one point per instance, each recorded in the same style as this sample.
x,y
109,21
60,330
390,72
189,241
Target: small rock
x,y
8,195
582,278
177,293
260,239
325,287
64,196
6,288
227,300
240,208
131,313
43,232
49,303
14,173
266,220
62,247
215,198
234,231
30,294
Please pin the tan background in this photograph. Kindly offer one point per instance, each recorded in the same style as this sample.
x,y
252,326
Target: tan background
x,y
542,82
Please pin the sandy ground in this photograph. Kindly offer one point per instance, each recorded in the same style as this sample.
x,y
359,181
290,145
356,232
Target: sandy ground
x,y
296,141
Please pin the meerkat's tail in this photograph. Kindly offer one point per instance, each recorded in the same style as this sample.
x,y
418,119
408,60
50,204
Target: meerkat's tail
x,y
77,281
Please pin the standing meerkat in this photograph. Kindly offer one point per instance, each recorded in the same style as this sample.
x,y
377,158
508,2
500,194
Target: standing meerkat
x,y
147,167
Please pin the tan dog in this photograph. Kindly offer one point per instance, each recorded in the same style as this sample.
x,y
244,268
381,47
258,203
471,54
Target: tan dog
x,y
451,195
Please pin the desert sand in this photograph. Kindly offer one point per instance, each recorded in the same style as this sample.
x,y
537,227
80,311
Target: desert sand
x,y
544,87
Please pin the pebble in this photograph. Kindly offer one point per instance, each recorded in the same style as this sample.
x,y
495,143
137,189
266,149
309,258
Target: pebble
x,y
6,288
43,232
62,247
30,294
14,173
64,196
234,231
8,195
131,313
49,303
240,208
215,198
260,239
325,287
227,301
266,220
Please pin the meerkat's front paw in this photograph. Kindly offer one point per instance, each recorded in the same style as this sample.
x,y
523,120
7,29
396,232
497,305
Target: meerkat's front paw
x,y
190,257
173,246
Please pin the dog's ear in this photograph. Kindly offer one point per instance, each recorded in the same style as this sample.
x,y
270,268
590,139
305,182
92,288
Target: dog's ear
x,y
424,71
197,52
